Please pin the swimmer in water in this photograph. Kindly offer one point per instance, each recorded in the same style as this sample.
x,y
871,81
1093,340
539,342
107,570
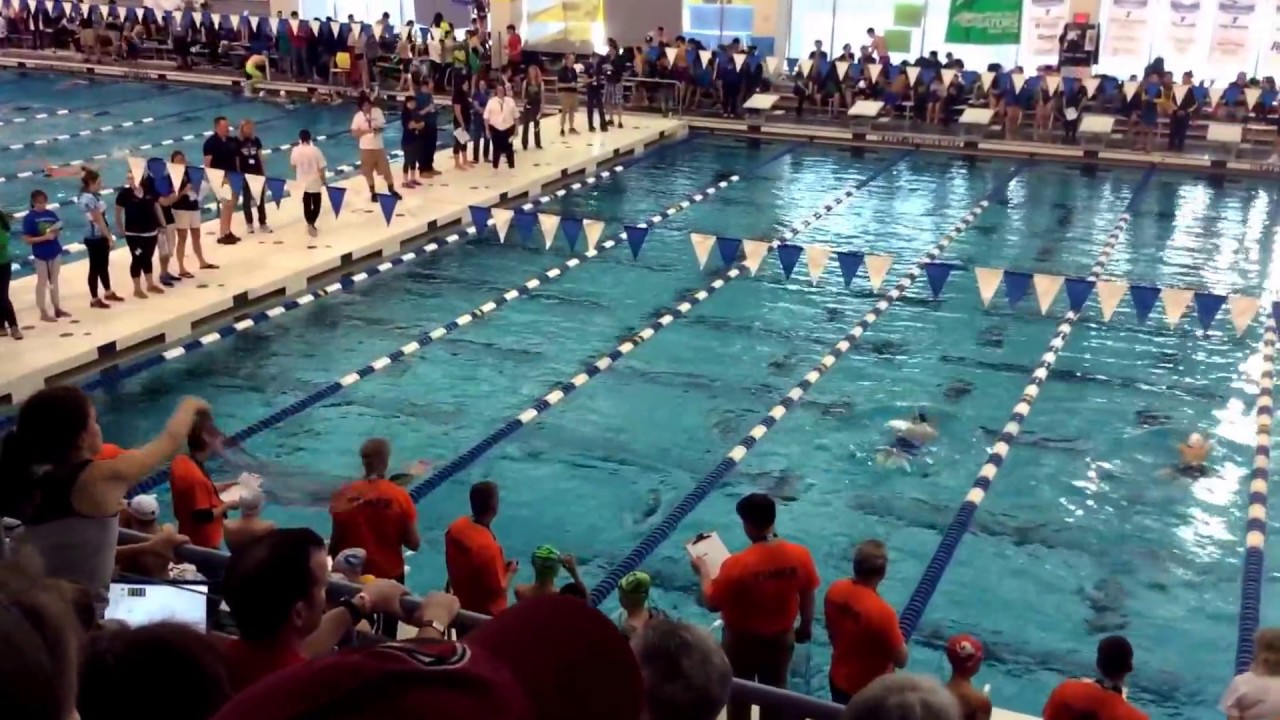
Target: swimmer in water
x,y
1192,455
910,439
66,171
255,68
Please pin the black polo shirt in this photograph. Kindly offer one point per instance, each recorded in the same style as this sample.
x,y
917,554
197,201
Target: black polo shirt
x,y
223,153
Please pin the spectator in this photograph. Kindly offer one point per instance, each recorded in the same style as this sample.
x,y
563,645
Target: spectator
x,y
8,318
1102,698
964,652
251,164
686,676
377,515
411,128
98,239
197,502
865,640
532,112
478,573
426,111
309,164
186,216
633,596
903,696
759,593
68,502
500,118
548,659
141,515
546,563
275,588
567,86
367,126
40,229
1180,113
41,639
185,680
222,152
138,214
239,532
480,131
1255,694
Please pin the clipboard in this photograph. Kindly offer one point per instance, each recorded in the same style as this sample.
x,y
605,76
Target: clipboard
x,y
246,482
710,547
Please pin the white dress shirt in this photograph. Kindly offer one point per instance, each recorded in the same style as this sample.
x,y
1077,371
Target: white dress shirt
x,y
500,113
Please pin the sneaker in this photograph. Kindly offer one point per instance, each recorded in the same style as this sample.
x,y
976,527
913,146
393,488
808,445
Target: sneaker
x,y
266,228
395,194
227,239
16,334
561,132
251,230
312,231
590,129
100,304
166,281
234,237
112,297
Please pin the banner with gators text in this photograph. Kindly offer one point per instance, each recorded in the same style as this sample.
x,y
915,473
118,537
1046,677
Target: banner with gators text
x,y
984,22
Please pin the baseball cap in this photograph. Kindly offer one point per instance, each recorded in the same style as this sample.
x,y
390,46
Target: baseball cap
x,y
144,507
964,652
547,658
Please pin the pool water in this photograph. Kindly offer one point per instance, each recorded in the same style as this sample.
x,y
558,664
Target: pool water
x,y
1082,534
177,112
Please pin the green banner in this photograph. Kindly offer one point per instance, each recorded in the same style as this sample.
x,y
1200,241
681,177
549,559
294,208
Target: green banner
x,y
984,22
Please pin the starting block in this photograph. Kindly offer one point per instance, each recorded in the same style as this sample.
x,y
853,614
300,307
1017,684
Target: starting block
x,y
974,121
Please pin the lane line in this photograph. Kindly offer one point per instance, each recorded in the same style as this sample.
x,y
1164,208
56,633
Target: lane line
x,y
663,530
123,125
635,340
1255,538
98,104
955,532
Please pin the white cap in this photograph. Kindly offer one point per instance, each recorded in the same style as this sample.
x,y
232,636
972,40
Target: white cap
x,y
1195,440
144,507
251,500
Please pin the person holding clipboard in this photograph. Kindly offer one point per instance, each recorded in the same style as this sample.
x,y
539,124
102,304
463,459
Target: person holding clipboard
x,y
367,127
759,593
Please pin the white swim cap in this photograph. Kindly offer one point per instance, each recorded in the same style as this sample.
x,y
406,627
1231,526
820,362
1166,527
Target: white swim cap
x,y
144,507
1195,440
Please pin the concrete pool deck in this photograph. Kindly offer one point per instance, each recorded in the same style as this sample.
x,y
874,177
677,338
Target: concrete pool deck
x,y
283,264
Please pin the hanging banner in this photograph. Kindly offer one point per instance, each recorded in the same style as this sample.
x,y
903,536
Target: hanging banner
x,y
1126,30
984,22
1269,62
1231,31
1042,22
1184,15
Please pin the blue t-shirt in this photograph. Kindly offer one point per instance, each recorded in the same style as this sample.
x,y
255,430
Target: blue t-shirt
x,y
88,202
37,223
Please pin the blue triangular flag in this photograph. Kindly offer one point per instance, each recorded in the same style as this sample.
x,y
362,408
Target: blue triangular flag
x,y
159,173
728,248
1275,310
849,264
480,217
387,202
336,194
195,178
524,222
236,181
275,186
1078,291
1016,285
788,257
937,274
635,238
572,229
1144,298
1207,307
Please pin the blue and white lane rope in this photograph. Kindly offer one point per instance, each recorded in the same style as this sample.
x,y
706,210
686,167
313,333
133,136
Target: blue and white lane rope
x,y
37,116
955,532
1255,538
663,530
635,340
104,129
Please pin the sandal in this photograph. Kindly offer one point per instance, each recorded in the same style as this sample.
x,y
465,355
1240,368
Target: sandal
x,y
185,275
208,266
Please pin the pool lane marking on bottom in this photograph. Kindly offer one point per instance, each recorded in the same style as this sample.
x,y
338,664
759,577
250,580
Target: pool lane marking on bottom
x,y
635,340
333,388
1255,539
955,532
663,530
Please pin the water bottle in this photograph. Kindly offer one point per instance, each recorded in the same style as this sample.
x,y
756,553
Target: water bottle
x,y
798,677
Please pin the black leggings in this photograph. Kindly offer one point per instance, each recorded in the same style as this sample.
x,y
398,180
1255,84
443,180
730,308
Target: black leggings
x,y
99,265
142,248
532,116
311,207
7,317
248,206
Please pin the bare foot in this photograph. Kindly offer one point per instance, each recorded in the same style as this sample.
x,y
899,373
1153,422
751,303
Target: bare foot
x,y
45,317
140,294
155,290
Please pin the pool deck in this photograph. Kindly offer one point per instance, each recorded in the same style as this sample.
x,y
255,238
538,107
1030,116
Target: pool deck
x,y
283,264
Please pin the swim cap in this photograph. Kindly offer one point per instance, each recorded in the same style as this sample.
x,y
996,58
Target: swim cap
x,y
144,507
546,559
635,583
251,500
350,561
964,652
1195,440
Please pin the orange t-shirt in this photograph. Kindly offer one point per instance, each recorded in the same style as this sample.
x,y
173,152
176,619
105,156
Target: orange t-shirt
x,y
193,492
758,590
864,635
476,566
1074,698
109,452
375,515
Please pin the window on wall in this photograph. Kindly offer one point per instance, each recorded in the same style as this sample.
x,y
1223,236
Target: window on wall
x,y
811,20
714,24
853,17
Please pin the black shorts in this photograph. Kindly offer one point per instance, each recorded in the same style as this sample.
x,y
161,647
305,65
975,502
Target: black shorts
x,y
412,154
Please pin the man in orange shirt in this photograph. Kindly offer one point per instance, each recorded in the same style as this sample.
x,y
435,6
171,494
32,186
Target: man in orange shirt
x,y
377,515
1100,699
478,573
865,640
196,504
759,593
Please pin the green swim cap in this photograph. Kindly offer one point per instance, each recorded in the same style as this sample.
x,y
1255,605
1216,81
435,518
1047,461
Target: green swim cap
x,y
636,583
546,560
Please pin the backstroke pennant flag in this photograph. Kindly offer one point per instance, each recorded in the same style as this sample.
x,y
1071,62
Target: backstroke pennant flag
x,y
1016,285
877,267
235,181
336,195
788,257
728,248
256,184
1207,307
502,218
988,78
988,281
137,168
387,202
217,180
702,244
1110,293
1176,301
176,172
755,250
671,54
817,257
1243,310
912,73
874,71
480,217
635,238
276,187
524,222
1144,300
842,68
849,263
572,229
195,176
937,274
1047,287
1091,85
592,230
1078,291
549,224
984,22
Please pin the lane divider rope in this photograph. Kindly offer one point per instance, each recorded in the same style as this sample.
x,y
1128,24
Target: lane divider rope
x,y
37,116
635,340
104,129
700,492
955,532
97,104
1255,538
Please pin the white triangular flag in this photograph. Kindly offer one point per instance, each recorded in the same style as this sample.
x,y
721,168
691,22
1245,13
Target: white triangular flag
x,y
592,230
235,23
1176,301
816,257
295,188
1215,94
357,29
1130,87
293,25
1110,293
842,68
874,70
1243,310
805,66
702,245
502,221
1047,287
754,250
1251,95
549,223
315,27
988,281
176,173
947,76
705,57
102,8
913,72
1179,92
1018,80
772,64
1091,85
335,26
877,267
378,29
1053,82
215,180
137,167
738,59
987,79
671,55
256,183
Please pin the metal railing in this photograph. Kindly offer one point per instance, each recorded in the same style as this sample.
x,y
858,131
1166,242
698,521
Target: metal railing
x,y
211,564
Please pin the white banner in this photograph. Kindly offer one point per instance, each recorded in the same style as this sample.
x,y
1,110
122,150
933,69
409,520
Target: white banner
x,y
1125,32
1184,15
1042,22
1269,62
1231,31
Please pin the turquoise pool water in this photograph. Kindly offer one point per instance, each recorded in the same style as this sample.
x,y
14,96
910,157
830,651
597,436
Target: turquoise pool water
x,y
1082,534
